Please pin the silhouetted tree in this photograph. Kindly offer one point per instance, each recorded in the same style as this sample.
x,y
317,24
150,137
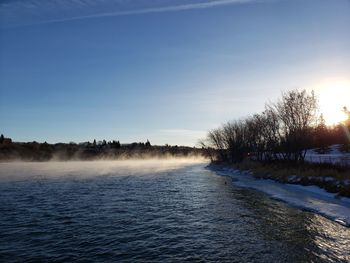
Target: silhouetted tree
x,y
283,128
322,136
346,127
297,111
116,144
347,121
215,140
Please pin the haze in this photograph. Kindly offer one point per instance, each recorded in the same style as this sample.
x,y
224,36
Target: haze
x,y
19,171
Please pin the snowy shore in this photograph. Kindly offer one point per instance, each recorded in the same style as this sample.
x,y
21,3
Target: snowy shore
x,y
311,198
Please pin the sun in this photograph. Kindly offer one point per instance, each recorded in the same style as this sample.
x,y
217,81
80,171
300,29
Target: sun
x,y
332,98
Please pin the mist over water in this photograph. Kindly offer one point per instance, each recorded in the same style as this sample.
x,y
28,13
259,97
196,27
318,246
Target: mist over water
x,y
13,171
155,211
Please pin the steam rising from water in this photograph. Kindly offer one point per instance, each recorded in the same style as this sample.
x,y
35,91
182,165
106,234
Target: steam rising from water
x,y
15,171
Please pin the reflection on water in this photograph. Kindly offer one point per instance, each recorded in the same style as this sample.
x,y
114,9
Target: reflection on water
x,y
185,213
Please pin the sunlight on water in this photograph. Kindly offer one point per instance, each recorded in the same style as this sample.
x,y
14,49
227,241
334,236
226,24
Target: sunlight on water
x,y
156,211
332,244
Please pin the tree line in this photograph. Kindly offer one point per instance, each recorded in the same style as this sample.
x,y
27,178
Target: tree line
x,y
285,130
36,151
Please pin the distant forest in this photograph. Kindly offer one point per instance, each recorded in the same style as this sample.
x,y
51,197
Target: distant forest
x,y
35,151
284,131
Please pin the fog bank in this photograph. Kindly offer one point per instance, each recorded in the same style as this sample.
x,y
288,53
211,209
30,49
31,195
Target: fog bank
x,y
14,171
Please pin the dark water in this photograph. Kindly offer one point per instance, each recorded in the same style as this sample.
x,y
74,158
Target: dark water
x,y
184,214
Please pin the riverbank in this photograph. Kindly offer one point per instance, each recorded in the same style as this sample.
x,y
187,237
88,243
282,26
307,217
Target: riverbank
x,y
308,197
331,178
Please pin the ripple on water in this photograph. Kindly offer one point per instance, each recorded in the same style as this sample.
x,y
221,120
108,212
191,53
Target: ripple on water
x,y
182,214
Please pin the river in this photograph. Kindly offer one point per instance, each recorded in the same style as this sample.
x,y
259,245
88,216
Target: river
x,y
157,211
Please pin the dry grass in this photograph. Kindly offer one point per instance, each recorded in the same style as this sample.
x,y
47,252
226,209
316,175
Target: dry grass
x,y
327,176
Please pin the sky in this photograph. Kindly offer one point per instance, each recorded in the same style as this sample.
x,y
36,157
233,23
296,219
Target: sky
x,y
167,71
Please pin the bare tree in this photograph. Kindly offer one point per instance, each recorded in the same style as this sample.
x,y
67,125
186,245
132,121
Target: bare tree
x,y
297,111
282,129
215,140
235,140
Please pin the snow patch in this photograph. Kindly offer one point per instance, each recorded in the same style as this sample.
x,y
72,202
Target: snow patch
x,y
310,198
333,156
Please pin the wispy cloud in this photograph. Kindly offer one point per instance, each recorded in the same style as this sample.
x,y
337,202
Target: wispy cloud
x,y
41,10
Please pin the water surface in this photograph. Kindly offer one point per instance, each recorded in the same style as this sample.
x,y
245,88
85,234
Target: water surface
x,y
153,212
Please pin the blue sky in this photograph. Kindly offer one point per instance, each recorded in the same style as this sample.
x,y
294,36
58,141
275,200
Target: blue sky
x,y
166,70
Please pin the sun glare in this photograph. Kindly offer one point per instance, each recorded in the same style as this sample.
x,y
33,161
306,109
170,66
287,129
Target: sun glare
x,y
332,98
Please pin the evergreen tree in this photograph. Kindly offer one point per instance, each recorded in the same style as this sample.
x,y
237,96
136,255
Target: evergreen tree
x,y
322,136
347,121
